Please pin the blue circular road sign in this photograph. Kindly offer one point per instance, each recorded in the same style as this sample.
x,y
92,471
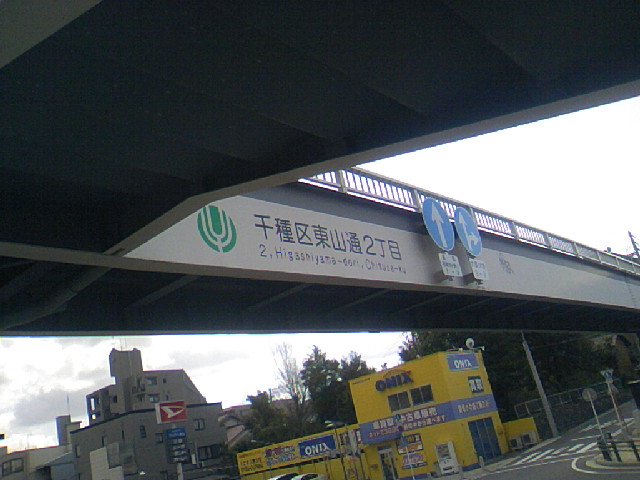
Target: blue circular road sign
x,y
468,231
438,224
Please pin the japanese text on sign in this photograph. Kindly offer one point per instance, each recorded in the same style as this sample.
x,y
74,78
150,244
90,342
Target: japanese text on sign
x,y
320,236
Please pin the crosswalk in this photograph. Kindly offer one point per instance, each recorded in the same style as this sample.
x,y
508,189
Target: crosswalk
x,y
548,454
594,426
584,443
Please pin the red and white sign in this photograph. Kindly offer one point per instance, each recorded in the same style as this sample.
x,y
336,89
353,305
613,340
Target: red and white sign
x,y
169,412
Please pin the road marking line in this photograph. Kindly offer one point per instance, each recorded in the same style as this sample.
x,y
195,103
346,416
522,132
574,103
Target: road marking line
x,y
533,457
574,465
588,447
575,447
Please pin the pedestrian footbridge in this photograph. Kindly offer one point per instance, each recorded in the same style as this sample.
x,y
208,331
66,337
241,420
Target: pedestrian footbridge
x,y
342,251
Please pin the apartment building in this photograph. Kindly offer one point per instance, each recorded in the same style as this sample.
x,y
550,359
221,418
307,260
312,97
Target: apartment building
x,y
136,389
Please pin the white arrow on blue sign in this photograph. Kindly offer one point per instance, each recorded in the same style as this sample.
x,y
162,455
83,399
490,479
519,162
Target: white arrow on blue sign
x,y
468,231
438,224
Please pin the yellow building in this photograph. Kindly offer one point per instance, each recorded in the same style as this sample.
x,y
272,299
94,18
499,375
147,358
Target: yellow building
x,y
435,414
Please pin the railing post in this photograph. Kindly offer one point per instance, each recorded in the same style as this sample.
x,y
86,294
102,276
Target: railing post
x,y
614,447
634,448
575,249
514,229
342,181
416,200
604,449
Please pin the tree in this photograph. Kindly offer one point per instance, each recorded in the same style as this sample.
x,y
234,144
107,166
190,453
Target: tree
x,y
351,367
327,381
564,361
299,419
267,423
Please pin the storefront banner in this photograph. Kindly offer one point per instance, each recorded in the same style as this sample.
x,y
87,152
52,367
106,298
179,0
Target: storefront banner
x,y
251,461
387,428
280,454
462,361
317,447
470,407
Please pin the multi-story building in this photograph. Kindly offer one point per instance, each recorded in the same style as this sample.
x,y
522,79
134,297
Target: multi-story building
x,y
136,389
49,463
126,437
135,443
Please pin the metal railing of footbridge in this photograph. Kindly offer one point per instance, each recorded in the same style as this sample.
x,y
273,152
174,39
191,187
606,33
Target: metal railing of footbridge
x,y
357,182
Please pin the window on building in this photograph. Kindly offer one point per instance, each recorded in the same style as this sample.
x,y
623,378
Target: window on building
x,y
154,397
94,402
208,452
77,451
165,475
15,465
198,424
398,401
164,380
104,440
152,380
95,416
159,438
114,399
143,431
421,395
475,384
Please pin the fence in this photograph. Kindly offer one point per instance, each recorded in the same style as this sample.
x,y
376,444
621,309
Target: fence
x,y
377,188
569,408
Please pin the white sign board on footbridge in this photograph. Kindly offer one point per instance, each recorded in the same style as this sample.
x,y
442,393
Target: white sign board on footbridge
x,y
248,233
248,236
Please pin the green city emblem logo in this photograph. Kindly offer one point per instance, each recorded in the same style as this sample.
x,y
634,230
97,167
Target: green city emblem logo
x,y
217,229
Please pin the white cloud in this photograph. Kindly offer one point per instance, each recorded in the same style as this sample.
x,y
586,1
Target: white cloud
x,y
38,374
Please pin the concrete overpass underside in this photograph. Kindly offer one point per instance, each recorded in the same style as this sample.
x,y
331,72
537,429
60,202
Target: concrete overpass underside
x,y
529,288
119,117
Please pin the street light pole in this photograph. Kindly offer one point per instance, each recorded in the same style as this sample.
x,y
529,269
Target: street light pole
x,y
335,425
543,396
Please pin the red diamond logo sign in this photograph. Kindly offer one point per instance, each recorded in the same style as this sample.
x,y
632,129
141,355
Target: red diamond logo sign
x,y
169,412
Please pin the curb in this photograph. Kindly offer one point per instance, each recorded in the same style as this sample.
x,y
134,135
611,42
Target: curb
x,y
599,460
598,463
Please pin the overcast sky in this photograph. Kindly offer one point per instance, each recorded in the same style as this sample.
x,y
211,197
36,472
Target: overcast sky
x,y
574,175
42,378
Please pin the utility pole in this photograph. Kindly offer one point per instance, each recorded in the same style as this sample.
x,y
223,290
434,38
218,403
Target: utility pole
x,y
543,396
635,246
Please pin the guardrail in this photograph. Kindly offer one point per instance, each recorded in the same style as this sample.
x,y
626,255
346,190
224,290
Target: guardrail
x,y
377,188
621,450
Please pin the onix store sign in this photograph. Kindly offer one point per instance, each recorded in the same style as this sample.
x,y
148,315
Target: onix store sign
x,y
394,378
316,446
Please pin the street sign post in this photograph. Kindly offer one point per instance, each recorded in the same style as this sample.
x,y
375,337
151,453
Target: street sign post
x,y
438,224
608,378
589,394
468,231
